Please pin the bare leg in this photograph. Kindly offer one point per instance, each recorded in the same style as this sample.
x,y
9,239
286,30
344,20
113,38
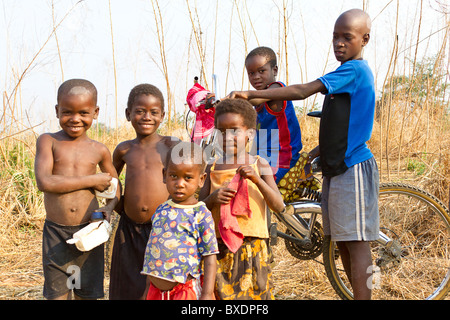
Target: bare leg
x,y
357,260
70,296
66,296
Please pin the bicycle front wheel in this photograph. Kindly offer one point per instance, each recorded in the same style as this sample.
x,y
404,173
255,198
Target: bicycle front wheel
x,y
419,267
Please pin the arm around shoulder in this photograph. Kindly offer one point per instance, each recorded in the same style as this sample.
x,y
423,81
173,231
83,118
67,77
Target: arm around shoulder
x,y
292,92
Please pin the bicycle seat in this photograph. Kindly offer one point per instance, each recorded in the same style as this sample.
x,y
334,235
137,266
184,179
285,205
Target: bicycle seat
x,y
315,114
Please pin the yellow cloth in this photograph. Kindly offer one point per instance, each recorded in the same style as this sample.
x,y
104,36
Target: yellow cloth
x,y
256,226
296,179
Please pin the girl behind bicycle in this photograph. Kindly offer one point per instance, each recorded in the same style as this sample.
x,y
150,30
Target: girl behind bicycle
x,y
243,249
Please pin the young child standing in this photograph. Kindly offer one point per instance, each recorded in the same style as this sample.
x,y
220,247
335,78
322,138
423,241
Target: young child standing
x,y
237,190
279,136
66,171
144,191
183,233
350,186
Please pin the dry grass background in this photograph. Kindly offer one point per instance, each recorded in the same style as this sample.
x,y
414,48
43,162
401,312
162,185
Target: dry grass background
x,y
411,142
22,211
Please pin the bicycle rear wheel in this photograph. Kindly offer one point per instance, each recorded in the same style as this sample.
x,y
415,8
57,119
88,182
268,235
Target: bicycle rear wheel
x,y
419,225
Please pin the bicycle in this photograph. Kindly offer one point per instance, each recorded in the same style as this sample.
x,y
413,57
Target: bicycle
x,y
411,257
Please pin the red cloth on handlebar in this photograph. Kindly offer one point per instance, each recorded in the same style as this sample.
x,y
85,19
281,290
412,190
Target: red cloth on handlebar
x,y
204,118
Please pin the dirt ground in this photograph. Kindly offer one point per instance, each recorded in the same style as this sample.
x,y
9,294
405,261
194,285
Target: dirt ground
x,y
21,276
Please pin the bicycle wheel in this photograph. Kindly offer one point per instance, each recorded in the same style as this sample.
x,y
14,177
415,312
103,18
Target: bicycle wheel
x,y
419,225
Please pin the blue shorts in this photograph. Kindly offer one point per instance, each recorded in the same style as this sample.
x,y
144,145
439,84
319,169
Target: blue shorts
x,y
350,203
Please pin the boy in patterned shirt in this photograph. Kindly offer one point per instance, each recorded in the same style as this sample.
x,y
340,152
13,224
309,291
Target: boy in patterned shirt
x,y
182,233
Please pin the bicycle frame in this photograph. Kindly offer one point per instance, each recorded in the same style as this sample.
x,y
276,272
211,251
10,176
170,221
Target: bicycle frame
x,y
299,227
303,229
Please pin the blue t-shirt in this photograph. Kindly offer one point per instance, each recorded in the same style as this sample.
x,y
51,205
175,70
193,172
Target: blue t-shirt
x,y
347,116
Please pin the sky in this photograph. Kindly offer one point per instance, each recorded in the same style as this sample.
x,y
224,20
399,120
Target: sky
x,y
88,31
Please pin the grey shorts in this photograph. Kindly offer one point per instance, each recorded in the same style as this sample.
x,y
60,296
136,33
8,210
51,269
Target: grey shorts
x,y
350,203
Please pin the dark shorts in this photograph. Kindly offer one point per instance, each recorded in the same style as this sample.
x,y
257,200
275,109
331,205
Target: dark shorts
x,y
66,268
130,242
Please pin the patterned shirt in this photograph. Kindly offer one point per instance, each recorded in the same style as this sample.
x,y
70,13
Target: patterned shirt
x,y
180,236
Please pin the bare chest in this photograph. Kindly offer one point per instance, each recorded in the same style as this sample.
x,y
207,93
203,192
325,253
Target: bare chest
x,y
75,159
140,159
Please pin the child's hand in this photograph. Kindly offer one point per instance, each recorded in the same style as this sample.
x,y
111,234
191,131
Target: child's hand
x,y
209,100
224,195
102,181
248,172
106,213
237,95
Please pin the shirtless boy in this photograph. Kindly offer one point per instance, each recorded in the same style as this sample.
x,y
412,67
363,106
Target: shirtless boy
x,y
144,190
66,171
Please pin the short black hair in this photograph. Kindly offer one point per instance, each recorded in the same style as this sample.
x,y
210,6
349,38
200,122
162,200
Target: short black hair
x,y
189,151
265,52
68,85
147,89
237,106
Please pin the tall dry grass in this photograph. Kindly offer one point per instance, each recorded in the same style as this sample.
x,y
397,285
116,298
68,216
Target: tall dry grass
x,y
411,142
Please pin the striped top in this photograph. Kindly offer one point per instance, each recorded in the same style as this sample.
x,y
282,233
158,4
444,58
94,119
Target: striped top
x,y
279,138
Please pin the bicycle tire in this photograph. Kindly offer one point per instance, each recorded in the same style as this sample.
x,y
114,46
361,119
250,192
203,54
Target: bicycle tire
x,y
421,224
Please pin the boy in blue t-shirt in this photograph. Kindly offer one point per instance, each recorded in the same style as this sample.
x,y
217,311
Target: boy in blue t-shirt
x,y
350,186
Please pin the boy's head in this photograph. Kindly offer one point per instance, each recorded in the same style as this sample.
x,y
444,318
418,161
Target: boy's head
x,y
235,120
184,171
351,34
77,106
262,69
76,87
145,109
144,89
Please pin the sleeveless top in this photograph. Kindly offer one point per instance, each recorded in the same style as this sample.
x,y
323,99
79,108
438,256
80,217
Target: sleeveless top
x,y
279,137
256,226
